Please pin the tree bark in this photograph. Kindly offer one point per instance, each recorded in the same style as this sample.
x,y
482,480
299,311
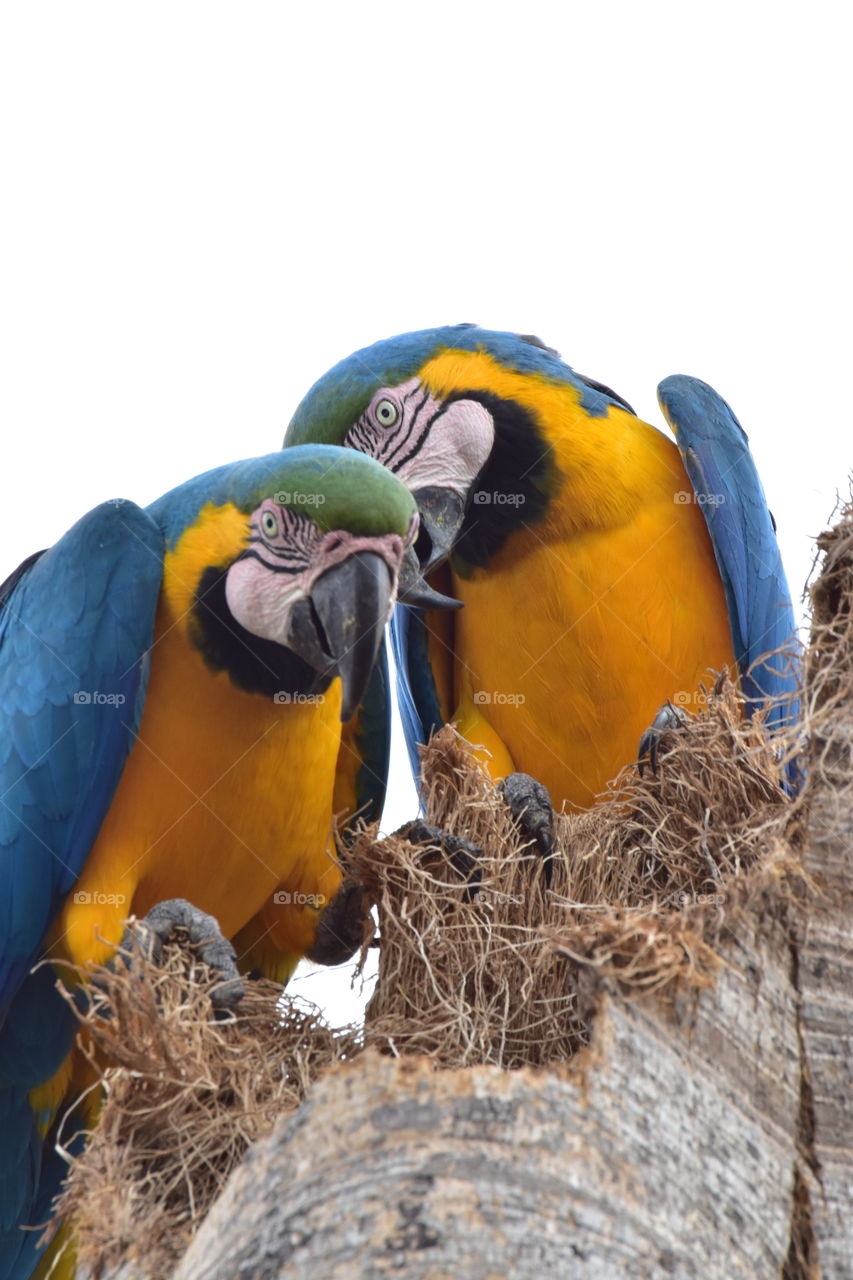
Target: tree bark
x,y
824,968
668,1148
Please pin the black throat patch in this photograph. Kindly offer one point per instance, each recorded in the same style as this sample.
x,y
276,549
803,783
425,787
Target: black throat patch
x,y
253,664
514,487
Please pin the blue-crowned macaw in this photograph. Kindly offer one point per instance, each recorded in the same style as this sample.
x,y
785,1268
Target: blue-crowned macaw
x,y
603,569
172,686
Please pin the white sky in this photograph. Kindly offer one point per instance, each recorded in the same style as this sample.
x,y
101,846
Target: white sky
x,y
206,205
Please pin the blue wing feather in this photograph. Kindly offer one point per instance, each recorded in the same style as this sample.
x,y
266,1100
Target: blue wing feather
x,y
417,694
76,624
73,641
716,454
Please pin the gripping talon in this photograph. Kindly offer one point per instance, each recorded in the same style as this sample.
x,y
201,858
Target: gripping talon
x,y
530,804
204,934
463,854
342,928
668,720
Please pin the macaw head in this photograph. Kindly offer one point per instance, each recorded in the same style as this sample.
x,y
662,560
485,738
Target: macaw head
x,y
458,413
286,568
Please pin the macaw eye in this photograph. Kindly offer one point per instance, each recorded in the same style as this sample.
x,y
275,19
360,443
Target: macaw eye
x,y
269,524
386,413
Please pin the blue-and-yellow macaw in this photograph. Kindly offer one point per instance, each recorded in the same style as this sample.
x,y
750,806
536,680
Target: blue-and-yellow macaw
x,y
604,570
172,686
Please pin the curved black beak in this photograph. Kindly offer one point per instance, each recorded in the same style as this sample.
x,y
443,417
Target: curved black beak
x,y
442,512
338,629
349,606
414,590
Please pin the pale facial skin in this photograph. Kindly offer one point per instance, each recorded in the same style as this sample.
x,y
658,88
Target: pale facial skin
x,y
286,555
422,440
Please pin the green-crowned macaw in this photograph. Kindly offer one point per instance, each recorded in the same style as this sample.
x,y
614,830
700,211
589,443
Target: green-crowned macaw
x,y
604,570
172,686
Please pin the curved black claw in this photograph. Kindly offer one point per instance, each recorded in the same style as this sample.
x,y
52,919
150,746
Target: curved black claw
x,y
668,720
204,934
530,804
463,854
342,928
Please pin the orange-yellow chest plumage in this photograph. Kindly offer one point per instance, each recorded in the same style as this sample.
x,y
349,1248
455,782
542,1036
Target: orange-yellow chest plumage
x,y
226,797
584,623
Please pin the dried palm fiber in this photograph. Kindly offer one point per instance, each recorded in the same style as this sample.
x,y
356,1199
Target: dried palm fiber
x,y
640,888
184,1096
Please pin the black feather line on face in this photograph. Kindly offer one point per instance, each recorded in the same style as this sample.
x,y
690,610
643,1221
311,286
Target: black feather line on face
x,y
518,479
253,664
292,564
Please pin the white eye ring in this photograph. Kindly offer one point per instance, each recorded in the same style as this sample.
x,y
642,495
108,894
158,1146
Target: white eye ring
x,y
386,413
269,524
